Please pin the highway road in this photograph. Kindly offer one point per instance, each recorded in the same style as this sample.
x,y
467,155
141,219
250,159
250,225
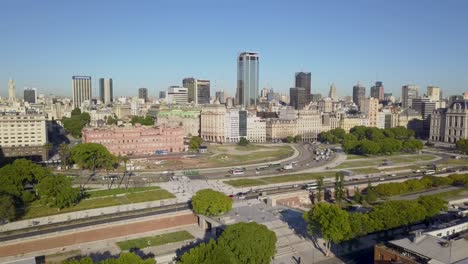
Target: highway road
x,y
118,217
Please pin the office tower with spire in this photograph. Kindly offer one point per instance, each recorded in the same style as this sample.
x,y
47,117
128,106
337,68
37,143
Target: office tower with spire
x,y
11,90
408,93
81,90
332,92
303,80
377,91
359,92
106,91
247,79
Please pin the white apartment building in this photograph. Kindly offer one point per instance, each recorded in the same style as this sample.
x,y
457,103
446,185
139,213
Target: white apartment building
x,y
232,126
177,95
256,129
23,134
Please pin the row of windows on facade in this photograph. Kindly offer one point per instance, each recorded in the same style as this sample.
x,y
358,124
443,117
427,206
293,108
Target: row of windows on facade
x,y
136,140
18,118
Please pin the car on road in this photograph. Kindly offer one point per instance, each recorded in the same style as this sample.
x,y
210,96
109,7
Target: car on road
x,y
392,175
416,171
382,179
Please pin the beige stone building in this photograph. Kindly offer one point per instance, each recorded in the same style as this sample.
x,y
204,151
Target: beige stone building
x,y
370,107
278,129
213,123
450,124
309,125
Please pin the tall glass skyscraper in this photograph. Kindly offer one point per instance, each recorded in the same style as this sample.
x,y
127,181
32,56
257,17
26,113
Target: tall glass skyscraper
x,y
247,78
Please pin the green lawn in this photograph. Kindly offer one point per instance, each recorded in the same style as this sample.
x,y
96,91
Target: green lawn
x,y
455,162
246,182
353,157
374,161
111,192
38,210
264,155
366,170
155,240
279,179
454,194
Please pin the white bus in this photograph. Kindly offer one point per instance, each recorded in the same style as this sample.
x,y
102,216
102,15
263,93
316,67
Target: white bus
x,y
311,186
236,172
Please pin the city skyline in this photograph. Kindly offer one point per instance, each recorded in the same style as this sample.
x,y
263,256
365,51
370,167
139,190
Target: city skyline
x,y
433,53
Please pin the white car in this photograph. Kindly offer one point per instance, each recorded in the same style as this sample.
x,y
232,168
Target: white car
x,y
382,179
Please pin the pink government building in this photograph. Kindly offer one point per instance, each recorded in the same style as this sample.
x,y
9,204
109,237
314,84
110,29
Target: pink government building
x,y
136,140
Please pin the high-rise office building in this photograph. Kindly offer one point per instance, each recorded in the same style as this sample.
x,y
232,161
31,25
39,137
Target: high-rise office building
x,y
408,93
247,78
106,91
143,94
82,91
359,92
162,94
220,97
332,92
11,90
298,97
198,90
433,92
177,95
303,80
30,95
377,91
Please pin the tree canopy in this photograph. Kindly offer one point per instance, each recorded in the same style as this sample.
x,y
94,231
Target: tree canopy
x,y
364,140
24,182
92,156
329,221
144,121
243,142
195,143
241,243
74,125
209,202
462,145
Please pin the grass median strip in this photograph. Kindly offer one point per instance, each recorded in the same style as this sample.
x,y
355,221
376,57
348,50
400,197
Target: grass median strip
x,y
153,241
111,192
279,179
38,210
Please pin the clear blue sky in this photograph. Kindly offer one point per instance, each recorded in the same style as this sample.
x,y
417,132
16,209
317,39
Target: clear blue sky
x,y
155,44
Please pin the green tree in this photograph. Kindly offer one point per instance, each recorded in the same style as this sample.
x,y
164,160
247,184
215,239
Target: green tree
x,y
433,204
462,145
124,258
367,147
339,188
208,253
57,191
7,208
76,112
195,143
297,138
249,242
371,194
290,139
360,132
64,153
243,142
74,125
329,221
412,145
319,188
91,156
111,120
210,203
389,145
357,195
144,121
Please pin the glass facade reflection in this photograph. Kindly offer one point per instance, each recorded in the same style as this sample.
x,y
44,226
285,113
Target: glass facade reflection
x,y
247,79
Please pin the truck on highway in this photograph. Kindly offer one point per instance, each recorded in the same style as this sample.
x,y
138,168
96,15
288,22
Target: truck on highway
x,y
288,167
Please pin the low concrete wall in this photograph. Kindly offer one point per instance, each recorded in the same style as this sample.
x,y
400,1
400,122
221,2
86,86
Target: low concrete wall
x,y
84,214
167,221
